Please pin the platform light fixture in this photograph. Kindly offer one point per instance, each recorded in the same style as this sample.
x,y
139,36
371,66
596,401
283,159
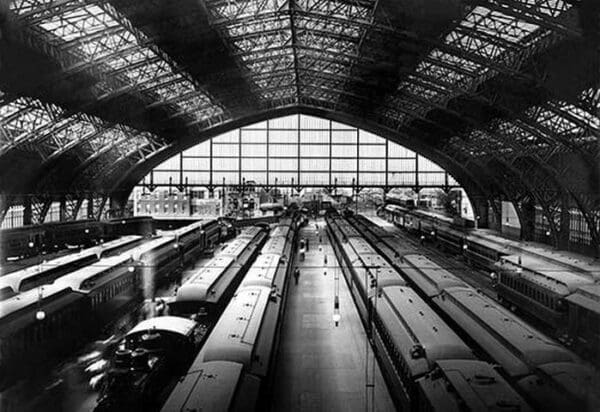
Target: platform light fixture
x,y
40,315
336,311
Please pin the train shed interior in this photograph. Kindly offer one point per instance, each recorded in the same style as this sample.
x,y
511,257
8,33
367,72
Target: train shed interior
x,y
321,204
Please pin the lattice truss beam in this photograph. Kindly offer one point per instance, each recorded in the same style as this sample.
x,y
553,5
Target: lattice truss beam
x,y
360,57
92,37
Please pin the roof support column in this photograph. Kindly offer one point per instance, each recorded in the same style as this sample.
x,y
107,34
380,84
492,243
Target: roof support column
x,y
480,209
90,206
527,214
565,223
27,211
4,206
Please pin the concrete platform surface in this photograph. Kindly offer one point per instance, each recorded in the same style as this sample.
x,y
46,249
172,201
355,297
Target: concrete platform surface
x,y
321,367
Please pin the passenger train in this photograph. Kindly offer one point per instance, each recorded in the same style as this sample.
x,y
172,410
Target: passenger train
x,y
39,323
233,367
551,291
548,375
202,298
47,271
31,240
413,343
211,287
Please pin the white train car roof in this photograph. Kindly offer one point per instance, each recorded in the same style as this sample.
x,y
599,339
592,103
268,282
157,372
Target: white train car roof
x,y
395,208
91,276
235,334
572,261
20,311
431,215
361,246
203,282
587,296
418,333
30,298
275,245
236,247
428,275
577,381
280,230
116,243
458,385
138,252
170,324
263,271
546,274
15,279
189,228
250,232
510,341
346,228
379,269
214,386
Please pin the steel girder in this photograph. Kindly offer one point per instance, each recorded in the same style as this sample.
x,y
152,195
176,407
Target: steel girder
x,y
313,53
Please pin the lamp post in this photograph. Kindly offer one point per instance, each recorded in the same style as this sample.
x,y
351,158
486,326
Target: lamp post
x,y
336,299
371,283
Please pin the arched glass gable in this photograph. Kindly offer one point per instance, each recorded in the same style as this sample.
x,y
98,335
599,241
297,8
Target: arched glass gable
x,y
299,150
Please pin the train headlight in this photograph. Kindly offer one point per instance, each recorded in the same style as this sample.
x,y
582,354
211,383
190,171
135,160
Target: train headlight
x,y
131,269
40,315
31,244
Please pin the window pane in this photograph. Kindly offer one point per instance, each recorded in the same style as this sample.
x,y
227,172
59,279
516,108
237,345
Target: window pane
x,y
283,136
343,165
283,164
372,165
311,150
254,150
343,150
226,150
314,164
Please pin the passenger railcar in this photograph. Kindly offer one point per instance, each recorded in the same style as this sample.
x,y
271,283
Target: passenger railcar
x,y
410,337
38,326
427,275
246,334
138,225
363,268
32,240
47,271
538,287
214,386
109,284
524,354
520,350
477,250
211,286
158,260
467,385
584,321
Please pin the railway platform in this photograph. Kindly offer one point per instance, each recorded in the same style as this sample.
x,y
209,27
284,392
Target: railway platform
x,y
320,366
